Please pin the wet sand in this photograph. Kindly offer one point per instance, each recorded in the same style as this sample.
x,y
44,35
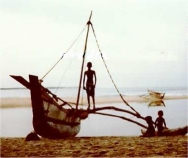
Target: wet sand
x,y
96,147
26,102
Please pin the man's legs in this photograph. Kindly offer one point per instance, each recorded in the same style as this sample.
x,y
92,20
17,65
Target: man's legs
x,y
93,97
88,100
91,92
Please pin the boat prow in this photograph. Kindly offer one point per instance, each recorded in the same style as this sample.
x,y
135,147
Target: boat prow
x,y
50,118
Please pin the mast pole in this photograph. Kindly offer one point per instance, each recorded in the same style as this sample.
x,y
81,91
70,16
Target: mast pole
x,y
81,73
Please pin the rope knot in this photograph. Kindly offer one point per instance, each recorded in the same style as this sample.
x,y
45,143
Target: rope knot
x,y
89,23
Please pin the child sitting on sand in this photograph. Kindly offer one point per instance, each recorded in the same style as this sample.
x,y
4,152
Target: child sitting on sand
x,y
159,123
150,132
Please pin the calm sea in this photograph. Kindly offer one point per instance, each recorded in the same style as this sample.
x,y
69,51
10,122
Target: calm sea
x,y
71,91
17,122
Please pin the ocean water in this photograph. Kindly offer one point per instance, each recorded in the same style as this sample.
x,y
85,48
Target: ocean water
x,y
72,91
17,122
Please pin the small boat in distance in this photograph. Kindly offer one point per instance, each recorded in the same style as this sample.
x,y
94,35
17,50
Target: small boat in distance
x,y
156,95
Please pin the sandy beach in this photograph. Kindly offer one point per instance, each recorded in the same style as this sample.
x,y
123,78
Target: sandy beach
x,y
96,147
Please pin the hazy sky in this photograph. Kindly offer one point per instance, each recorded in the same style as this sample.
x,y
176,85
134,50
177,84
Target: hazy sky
x,y
144,42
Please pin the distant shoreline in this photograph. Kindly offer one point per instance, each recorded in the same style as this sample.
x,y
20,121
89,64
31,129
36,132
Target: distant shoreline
x,y
54,87
15,102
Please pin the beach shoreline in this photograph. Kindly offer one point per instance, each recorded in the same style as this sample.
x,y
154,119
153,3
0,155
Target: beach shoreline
x,y
14,102
94,146
106,146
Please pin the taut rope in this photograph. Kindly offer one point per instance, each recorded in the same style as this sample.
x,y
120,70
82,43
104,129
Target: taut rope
x,y
109,72
64,53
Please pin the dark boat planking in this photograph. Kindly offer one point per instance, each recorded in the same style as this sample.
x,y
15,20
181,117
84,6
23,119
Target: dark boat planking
x,y
51,119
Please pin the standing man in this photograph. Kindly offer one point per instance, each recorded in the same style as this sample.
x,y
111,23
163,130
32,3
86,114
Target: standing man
x,y
90,85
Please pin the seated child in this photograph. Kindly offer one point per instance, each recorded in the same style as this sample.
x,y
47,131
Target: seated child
x,y
150,132
160,121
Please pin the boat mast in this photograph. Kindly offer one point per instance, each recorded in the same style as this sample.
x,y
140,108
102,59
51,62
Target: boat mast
x,y
83,59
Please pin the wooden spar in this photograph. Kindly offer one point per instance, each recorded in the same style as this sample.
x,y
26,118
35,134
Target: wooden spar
x,y
122,117
94,111
81,73
116,109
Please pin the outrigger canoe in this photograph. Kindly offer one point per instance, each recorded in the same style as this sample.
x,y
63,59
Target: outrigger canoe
x,y
172,132
56,118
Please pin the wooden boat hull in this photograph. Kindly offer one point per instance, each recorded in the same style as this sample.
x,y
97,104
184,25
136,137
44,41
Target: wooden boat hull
x,y
156,95
50,120
172,132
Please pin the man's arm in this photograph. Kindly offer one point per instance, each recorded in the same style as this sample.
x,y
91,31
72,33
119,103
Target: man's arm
x,y
95,78
164,123
84,81
156,123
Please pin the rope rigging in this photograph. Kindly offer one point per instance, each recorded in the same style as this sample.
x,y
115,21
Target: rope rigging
x,y
89,23
109,71
64,53
68,65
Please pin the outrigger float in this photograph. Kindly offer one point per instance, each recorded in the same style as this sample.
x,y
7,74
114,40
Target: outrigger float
x,y
55,118
171,132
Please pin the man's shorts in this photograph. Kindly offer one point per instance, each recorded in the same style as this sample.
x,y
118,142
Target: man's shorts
x,y
90,90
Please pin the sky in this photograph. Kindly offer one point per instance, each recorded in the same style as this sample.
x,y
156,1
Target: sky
x,y
144,42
